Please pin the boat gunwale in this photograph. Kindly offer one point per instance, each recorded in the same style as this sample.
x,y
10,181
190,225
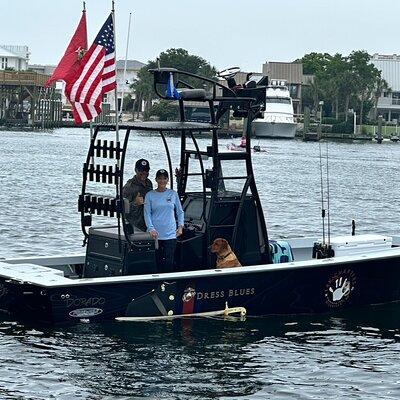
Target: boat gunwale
x,y
390,253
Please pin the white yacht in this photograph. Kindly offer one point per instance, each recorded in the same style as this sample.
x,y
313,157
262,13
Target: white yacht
x,y
278,120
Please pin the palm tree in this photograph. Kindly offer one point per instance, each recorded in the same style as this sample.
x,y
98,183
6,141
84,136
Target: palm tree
x,y
315,93
381,86
143,88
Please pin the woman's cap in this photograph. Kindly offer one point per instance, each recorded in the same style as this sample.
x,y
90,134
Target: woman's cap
x,y
142,165
161,172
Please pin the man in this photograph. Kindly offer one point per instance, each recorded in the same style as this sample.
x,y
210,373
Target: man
x,y
135,190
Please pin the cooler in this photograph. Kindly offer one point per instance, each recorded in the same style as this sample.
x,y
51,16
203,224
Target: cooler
x,y
359,244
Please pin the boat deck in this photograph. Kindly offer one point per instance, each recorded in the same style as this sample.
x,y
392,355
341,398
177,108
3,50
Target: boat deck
x,y
32,273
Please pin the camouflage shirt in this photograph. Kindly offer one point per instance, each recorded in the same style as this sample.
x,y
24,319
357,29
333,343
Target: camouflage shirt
x,y
130,191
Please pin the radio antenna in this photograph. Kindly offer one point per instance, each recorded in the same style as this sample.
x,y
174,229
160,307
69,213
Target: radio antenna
x,y
327,190
322,196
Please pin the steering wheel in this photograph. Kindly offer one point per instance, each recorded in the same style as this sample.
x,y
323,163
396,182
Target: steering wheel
x,y
228,72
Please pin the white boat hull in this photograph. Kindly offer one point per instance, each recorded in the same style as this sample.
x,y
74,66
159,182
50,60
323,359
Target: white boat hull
x,y
286,130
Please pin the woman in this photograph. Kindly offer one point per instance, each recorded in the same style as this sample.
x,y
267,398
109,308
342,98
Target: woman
x,y
163,215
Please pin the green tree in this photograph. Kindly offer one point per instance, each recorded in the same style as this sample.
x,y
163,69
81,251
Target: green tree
x,y
335,69
314,92
315,63
341,80
174,58
366,76
165,110
346,89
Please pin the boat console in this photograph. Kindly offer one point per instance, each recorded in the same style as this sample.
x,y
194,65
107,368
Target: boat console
x,y
211,212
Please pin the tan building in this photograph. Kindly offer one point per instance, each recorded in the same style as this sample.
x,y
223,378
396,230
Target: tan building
x,y
293,74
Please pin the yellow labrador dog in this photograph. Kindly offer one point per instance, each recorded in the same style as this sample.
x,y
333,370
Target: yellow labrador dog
x,y
226,258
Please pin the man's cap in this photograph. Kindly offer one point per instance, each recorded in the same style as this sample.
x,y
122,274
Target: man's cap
x,y
142,165
161,172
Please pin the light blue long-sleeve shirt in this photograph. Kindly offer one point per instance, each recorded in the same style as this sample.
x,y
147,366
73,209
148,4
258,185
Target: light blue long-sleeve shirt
x,y
162,211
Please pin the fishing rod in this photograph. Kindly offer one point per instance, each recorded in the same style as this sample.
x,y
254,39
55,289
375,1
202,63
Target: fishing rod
x,y
322,196
327,190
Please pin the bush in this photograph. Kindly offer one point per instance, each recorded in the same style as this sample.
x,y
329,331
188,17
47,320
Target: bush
x,y
343,127
324,128
330,121
164,110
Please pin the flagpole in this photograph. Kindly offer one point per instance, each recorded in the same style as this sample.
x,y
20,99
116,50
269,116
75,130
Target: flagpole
x,y
91,121
126,60
116,80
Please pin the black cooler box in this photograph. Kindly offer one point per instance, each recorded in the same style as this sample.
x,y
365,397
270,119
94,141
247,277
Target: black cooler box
x,y
107,255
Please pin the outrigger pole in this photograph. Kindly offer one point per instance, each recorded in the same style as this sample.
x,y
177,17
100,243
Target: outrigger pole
x,y
116,126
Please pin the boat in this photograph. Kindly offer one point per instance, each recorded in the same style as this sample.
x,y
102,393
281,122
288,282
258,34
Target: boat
x,y
116,278
278,119
242,147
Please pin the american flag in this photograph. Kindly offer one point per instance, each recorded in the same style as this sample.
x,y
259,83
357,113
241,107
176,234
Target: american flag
x,y
96,77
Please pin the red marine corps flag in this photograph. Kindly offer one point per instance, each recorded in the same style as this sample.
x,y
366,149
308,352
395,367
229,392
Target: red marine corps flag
x,y
96,76
70,63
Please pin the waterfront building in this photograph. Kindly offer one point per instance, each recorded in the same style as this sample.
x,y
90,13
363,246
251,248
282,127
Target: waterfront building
x,y
14,57
132,69
42,69
123,85
24,98
389,101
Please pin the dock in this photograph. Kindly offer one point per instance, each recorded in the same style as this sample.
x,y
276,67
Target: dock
x,y
25,100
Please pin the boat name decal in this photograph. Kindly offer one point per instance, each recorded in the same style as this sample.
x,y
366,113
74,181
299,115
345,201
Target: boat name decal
x,y
339,287
85,312
85,301
219,294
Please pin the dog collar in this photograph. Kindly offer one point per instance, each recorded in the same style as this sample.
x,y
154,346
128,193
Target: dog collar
x,y
226,255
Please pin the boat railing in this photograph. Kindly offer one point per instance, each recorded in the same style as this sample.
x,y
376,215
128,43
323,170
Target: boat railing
x,y
170,84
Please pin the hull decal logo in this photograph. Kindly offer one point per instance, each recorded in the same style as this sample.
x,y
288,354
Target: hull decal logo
x,y
339,288
188,294
85,312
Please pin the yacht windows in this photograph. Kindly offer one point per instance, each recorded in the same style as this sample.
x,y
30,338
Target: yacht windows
x,y
282,100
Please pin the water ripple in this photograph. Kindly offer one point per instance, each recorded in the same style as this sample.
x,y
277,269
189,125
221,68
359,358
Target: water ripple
x,y
352,355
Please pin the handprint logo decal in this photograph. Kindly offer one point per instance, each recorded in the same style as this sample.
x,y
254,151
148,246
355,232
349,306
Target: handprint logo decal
x,y
339,288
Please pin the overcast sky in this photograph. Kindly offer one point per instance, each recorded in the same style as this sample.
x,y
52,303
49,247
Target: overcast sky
x,y
226,33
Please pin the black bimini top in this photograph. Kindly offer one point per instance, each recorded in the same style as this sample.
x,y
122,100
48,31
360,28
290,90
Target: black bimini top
x,y
160,126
